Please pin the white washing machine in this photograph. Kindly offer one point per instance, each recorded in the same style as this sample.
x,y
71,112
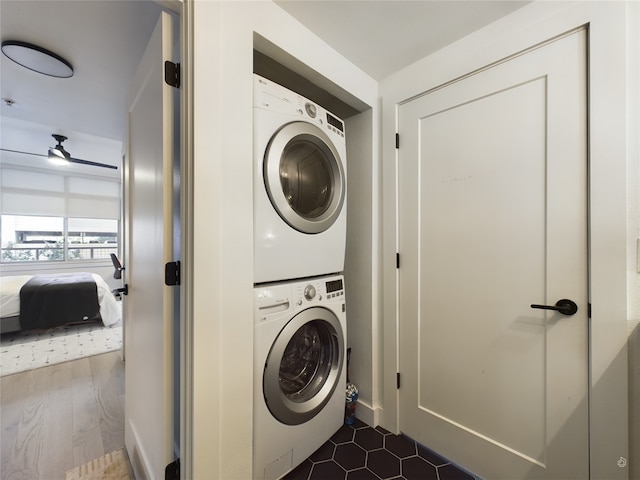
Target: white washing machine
x,y
299,371
299,186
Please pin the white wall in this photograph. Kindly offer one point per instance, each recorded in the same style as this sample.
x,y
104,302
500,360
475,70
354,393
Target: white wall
x,y
222,217
633,231
223,36
611,156
633,163
362,264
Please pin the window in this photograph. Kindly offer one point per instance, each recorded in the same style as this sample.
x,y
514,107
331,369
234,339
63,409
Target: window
x,y
27,238
57,215
91,238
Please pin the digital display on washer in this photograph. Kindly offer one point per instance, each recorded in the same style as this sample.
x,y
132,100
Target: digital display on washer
x,y
334,286
335,122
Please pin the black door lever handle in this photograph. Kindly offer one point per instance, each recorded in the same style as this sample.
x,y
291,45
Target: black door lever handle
x,y
564,306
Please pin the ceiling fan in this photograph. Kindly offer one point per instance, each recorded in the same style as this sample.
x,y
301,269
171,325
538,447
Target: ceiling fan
x,y
59,156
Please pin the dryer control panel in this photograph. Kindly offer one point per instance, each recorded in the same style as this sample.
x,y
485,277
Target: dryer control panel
x,y
271,96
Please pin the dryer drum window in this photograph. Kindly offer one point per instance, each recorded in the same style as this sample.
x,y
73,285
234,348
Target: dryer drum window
x,y
304,366
304,177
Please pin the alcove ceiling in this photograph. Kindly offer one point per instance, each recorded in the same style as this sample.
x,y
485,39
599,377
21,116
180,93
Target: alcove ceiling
x,y
384,36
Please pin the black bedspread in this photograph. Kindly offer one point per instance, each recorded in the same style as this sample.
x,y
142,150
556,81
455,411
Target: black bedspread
x,y
58,299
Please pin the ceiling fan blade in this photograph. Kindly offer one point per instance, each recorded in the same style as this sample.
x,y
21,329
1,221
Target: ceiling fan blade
x,y
24,153
72,160
93,164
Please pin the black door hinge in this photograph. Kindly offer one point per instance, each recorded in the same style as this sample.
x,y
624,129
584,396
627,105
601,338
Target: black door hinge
x,y
172,273
121,291
397,260
398,380
589,310
172,74
397,140
172,472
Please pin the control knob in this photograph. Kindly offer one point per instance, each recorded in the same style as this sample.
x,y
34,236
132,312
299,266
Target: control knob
x,y
311,109
309,292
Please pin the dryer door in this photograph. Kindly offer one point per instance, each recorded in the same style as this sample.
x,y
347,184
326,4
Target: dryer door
x,y
304,366
304,177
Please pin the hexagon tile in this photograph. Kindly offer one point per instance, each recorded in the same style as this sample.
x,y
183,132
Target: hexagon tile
x,y
361,452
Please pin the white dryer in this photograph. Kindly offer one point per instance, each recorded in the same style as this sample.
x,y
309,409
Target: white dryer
x,y
299,371
299,186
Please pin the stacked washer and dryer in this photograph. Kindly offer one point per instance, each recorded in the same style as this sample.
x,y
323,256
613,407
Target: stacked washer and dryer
x,y
300,325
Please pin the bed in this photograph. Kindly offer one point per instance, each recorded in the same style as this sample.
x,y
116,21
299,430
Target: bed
x,y
43,301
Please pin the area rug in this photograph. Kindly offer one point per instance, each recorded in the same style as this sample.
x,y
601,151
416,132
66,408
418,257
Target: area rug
x,y
112,466
22,351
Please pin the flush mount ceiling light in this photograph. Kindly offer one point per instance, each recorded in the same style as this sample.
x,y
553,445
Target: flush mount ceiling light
x,y
37,59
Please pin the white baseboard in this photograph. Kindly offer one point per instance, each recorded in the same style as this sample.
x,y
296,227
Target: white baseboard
x,y
137,457
368,414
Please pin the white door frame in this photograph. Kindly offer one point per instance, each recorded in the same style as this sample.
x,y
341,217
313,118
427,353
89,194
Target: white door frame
x,y
185,10
517,32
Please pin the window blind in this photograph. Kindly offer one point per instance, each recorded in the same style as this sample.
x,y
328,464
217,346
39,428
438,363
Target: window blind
x,y
26,192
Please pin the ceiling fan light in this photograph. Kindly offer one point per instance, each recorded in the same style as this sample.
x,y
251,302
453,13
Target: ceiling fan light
x,y
59,156
60,162
37,59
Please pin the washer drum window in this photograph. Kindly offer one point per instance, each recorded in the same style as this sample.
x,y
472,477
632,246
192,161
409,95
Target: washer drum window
x,y
304,177
304,366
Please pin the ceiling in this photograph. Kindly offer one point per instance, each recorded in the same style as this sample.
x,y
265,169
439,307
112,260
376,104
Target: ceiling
x,y
104,40
384,36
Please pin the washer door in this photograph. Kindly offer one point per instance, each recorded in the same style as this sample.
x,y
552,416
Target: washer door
x,y
304,177
304,366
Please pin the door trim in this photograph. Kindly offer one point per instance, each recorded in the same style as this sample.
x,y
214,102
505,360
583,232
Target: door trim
x,y
187,396
528,27
496,63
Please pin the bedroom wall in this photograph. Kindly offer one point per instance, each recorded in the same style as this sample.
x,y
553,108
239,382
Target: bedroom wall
x,y
19,135
35,137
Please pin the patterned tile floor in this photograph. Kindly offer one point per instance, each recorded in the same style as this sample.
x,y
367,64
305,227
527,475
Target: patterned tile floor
x,y
361,452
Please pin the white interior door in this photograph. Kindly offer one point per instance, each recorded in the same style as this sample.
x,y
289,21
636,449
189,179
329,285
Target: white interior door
x,y
493,219
149,409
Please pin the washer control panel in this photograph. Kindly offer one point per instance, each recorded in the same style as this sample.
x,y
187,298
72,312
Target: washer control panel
x,y
272,301
320,290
